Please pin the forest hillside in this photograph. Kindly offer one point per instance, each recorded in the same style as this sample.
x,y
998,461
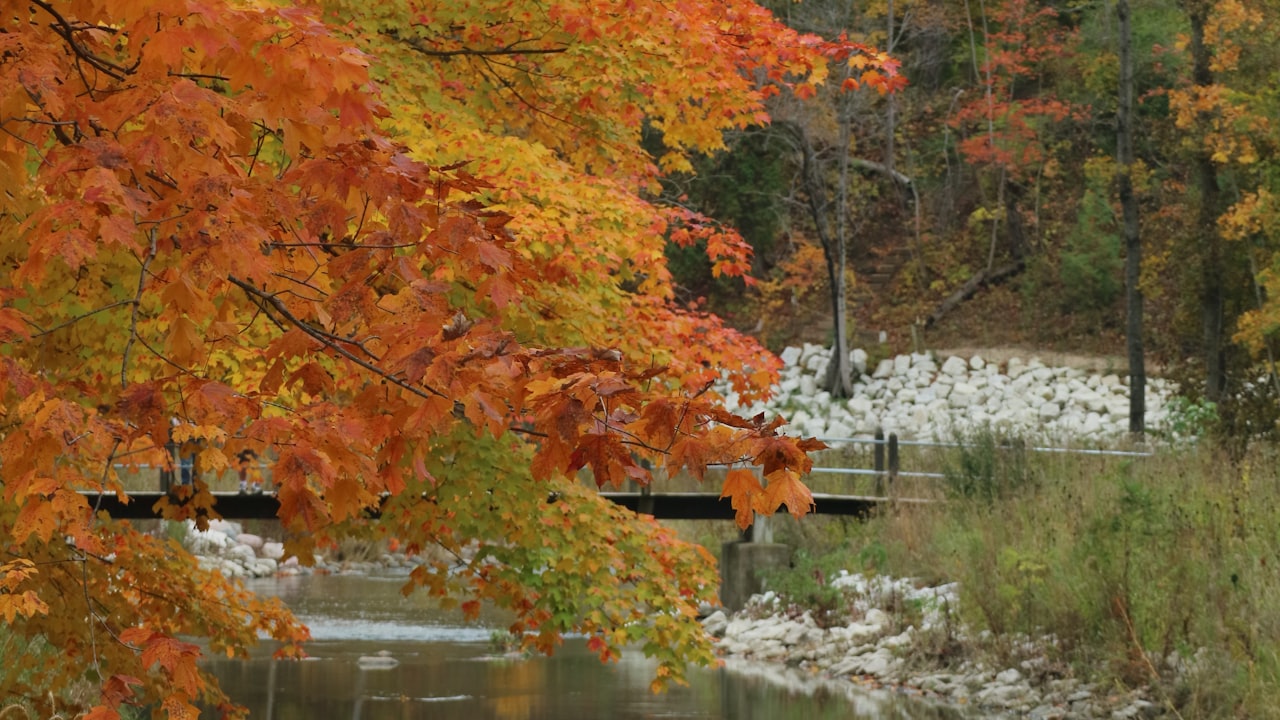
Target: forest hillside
x,y
980,203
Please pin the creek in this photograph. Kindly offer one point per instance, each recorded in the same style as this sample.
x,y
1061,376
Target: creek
x,y
432,665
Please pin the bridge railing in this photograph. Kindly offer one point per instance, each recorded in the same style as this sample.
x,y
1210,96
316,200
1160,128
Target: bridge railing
x,y
881,464
880,457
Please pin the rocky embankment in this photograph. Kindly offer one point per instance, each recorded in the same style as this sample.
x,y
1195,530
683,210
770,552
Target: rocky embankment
x,y
226,547
923,397
879,644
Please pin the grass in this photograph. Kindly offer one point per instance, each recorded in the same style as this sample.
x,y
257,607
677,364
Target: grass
x,y
1158,571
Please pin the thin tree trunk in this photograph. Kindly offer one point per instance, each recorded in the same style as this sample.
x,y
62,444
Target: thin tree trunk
x,y
1212,300
1132,240
839,380
839,372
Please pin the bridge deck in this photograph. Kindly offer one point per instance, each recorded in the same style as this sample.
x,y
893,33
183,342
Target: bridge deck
x,y
664,506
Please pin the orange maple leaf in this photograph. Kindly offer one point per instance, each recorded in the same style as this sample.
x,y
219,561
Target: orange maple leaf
x,y
785,488
742,488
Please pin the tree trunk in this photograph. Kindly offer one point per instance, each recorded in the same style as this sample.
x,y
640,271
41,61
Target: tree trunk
x,y
1132,241
839,370
980,279
839,378
1013,221
1212,297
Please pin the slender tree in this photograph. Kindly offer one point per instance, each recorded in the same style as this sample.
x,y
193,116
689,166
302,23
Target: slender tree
x,y
1132,240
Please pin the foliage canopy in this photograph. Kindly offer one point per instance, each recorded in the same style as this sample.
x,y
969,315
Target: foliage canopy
x,y
399,249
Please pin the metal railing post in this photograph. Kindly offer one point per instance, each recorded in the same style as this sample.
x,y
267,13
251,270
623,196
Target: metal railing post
x,y
893,459
878,455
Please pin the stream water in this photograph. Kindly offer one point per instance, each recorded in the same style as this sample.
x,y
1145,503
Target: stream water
x,y
421,662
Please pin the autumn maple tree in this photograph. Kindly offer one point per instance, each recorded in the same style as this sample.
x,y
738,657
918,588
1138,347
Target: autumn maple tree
x,y
404,251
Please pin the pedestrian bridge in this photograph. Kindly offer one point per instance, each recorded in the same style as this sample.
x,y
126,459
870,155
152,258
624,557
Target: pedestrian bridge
x,y
664,506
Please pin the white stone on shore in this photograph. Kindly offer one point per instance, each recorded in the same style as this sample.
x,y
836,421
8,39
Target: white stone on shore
x,y
883,370
808,385
955,366
864,645
207,542
240,553
911,395
858,360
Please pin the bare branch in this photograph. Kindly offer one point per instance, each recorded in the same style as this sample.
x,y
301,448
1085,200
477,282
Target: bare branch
x,y
82,316
68,30
133,316
327,339
421,47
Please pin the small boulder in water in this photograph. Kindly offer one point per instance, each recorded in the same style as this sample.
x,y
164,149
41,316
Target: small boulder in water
x,y
381,661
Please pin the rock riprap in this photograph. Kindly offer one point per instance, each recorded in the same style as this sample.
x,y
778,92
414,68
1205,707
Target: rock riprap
x,y
227,548
921,397
874,642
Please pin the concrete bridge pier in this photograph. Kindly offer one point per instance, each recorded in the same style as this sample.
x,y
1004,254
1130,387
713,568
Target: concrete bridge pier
x,y
744,561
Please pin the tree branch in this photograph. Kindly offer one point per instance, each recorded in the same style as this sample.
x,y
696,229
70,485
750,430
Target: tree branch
x,y
327,339
67,32
133,316
421,47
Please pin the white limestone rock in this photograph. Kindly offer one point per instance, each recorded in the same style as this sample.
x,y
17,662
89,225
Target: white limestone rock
x,y
715,623
809,351
808,385
884,369
859,405
242,554
790,356
858,359
1043,392
923,361
901,364
838,429
963,395
1015,367
230,528
789,386
208,542
955,366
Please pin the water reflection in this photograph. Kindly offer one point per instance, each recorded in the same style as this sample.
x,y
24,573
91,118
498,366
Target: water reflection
x,y
447,671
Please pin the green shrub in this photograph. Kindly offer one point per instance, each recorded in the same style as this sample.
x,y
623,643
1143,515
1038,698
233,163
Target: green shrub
x,y
1155,572
986,468
806,586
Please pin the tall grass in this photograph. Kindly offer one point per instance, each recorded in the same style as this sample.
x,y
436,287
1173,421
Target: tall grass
x,y
1159,571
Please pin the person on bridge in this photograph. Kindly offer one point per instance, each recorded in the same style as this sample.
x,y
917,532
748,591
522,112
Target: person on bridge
x,y
247,466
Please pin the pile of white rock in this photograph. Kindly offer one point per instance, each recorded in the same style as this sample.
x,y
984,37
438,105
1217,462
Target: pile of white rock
x,y
873,644
918,398
226,547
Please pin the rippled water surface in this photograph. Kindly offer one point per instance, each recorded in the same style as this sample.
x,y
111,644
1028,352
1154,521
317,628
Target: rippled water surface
x,y
442,669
